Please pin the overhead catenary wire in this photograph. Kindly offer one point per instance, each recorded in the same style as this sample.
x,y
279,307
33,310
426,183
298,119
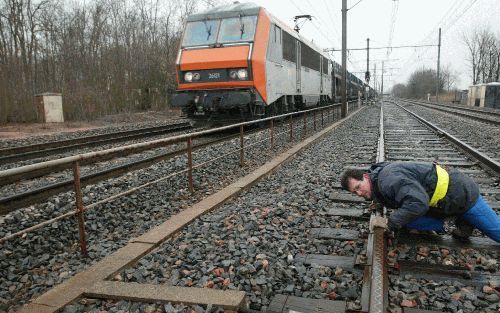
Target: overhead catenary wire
x,y
332,17
447,21
377,48
326,24
395,6
318,27
328,38
354,5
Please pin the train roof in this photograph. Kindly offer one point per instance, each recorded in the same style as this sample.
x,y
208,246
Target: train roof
x,y
297,35
486,84
246,9
232,10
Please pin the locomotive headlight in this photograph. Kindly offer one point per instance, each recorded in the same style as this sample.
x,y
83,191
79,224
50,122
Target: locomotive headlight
x,y
242,74
196,76
233,74
188,77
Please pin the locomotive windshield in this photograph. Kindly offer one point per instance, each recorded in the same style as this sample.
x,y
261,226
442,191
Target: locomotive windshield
x,y
201,33
206,32
237,29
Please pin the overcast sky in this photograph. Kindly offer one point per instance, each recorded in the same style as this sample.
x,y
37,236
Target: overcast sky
x,y
416,22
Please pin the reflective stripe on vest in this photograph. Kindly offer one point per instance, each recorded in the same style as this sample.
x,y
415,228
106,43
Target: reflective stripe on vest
x,y
441,186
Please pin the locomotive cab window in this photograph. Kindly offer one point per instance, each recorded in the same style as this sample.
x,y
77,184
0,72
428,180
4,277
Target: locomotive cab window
x,y
289,47
277,34
201,33
237,29
310,58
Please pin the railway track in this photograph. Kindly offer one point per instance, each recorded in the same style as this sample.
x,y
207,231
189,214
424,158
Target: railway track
x,y
421,266
485,116
296,241
483,137
105,224
47,189
21,153
37,195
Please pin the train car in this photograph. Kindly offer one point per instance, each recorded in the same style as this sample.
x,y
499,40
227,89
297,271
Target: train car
x,y
337,82
238,62
353,88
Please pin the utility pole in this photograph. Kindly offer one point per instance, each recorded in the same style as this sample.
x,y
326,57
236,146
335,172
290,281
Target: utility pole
x,y
343,111
366,90
367,74
375,77
439,56
382,85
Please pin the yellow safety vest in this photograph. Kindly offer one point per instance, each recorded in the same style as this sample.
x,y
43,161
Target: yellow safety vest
x,y
441,186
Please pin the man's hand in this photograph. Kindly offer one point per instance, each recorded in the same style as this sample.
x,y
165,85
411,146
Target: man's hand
x,y
375,206
378,221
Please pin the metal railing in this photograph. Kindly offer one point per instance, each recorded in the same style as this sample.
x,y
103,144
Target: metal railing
x,y
75,161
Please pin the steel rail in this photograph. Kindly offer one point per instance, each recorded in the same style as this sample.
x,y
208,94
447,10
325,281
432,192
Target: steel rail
x,y
87,139
17,201
457,112
67,161
376,273
490,164
47,152
147,242
88,207
454,271
484,110
83,209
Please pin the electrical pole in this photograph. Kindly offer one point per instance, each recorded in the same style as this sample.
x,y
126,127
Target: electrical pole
x,y
382,86
366,90
343,111
437,76
375,77
367,74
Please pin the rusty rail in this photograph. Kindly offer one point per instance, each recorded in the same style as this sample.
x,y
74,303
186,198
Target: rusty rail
x,y
376,271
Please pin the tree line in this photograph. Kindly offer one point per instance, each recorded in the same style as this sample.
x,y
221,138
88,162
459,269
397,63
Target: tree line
x,y
483,48
483,51
104,56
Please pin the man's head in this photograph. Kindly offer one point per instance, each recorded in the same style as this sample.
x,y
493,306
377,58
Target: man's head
x,y
357,182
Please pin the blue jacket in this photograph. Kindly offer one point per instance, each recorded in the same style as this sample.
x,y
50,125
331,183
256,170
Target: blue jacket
x,y
408,186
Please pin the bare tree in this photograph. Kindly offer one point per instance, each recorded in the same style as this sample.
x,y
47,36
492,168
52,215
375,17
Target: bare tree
x,y
448,78
399,90
105,56
484,55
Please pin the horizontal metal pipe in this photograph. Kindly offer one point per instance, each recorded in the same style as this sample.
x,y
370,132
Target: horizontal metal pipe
x,y
170,140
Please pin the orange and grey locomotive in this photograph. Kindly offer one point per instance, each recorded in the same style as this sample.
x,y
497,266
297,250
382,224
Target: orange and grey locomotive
x,y
238,62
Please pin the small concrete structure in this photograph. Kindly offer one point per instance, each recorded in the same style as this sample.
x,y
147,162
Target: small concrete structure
x,y
49,107
485,95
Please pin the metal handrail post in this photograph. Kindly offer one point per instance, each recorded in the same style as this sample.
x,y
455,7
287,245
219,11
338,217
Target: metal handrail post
x,y
272,134
79,207
305,125
242,151
314,120
190,163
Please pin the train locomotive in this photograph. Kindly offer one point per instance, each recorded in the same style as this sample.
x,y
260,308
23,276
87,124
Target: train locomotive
x,y
238,62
